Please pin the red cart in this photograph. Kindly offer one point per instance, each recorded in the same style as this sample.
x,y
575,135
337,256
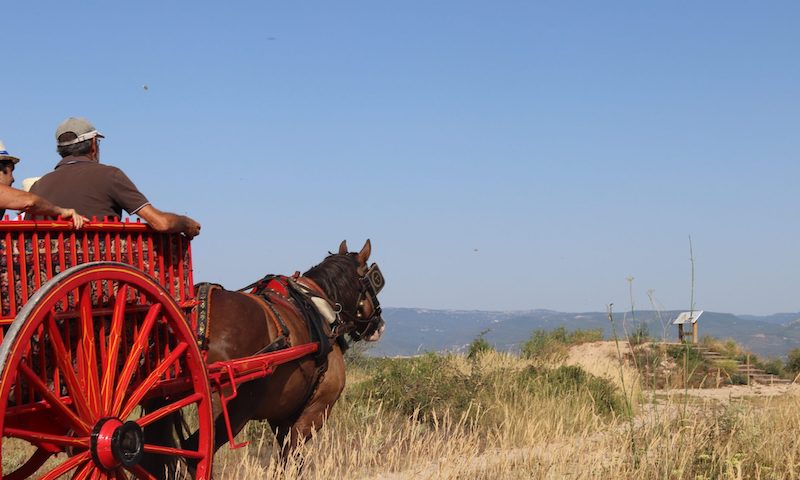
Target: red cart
x,y
99,343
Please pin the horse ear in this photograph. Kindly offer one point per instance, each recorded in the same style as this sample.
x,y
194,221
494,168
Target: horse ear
x,y
363,255
343,247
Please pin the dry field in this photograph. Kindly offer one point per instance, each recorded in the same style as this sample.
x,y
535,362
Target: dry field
x,y
735,432
507,431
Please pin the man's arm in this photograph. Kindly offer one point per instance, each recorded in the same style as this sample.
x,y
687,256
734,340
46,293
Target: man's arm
x,y
34,204
169,222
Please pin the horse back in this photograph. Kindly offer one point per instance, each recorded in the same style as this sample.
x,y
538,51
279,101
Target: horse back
x,y
242,324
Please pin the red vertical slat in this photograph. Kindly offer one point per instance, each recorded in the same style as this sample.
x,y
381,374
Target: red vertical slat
x,y
37,281
170,266
190,276
108,247
118,246
154,255
48,255
74,241
23,268
181,280
10,273
96,241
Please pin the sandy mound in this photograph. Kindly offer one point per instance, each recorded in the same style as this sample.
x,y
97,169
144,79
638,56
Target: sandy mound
x,y
603,360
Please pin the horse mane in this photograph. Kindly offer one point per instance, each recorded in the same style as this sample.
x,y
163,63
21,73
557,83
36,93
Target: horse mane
x,y
337,275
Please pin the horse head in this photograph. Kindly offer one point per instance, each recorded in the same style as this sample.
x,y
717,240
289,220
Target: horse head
x,y
353,286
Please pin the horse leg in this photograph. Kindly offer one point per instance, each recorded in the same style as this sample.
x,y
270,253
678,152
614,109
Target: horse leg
x,y
314,414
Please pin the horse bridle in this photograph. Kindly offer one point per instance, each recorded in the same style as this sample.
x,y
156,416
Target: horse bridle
x,y
368,310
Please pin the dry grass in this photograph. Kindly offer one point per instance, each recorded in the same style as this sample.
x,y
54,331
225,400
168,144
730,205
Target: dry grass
x,y
516,434
540,437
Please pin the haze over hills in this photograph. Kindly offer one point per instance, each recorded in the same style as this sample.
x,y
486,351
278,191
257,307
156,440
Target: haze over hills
x,y
410,330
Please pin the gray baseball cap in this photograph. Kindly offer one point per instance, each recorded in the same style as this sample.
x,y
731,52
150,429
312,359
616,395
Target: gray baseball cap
x,y
79,126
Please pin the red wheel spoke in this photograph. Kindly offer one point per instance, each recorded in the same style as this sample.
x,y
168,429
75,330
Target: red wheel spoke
x,y
167,409
83,472
158,449
89,350
68,465
133,356
98,474
141,473
65,367
152,378
37,438
114,337
55,402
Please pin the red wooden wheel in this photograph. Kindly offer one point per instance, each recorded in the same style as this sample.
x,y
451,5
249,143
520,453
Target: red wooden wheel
x,y
98,358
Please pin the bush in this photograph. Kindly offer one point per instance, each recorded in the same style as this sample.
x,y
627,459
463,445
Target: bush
x,y
640,334
430,383
576,337
793,361
552,345
567,381
545,346
729,367
775,367
478,346
739,379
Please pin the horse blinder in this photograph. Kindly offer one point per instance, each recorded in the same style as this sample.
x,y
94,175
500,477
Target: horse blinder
x,y
371,284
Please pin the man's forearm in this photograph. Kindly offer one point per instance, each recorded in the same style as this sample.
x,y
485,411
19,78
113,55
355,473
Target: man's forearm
x,y
40,206
29,203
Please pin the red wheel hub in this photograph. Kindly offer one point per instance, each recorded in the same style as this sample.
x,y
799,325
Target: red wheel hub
x,y
115,443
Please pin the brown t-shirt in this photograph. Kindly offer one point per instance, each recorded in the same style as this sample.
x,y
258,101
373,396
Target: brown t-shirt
x,y
91,188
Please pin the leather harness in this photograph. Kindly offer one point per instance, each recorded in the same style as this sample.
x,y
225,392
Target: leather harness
x,y
288,292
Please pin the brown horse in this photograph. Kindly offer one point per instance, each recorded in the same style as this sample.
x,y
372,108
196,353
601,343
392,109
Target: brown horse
x,y
298,396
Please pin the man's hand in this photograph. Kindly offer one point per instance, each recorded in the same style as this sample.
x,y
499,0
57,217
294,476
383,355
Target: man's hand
x,y
169,222
192,228
77,218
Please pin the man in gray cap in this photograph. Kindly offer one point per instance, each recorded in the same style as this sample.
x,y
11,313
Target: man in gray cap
x,y
24,201
97,190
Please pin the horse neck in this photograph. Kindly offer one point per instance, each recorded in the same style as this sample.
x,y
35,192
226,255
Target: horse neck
x,y
337,281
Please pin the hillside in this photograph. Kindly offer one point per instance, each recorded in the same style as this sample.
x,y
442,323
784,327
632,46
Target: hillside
x,y
410,331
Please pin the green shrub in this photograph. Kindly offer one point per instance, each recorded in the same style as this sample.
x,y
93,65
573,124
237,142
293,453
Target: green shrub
x,y
793,361
681,353
430,383
729,367
640,334
570,380
552,345
545,346
739,379
478,346
774,366
576,337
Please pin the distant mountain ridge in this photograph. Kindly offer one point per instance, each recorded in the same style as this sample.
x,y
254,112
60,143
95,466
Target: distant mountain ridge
x,y
414,330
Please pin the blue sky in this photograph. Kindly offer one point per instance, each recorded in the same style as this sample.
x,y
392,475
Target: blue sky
x,y
500,155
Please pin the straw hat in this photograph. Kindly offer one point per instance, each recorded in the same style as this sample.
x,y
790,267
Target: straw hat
x,y
28,183
4,155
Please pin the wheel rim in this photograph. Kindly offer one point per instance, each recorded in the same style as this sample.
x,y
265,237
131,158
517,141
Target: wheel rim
x,y
88,351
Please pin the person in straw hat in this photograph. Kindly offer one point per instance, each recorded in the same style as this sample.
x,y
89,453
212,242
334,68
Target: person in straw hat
x,y
11,198
98,190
